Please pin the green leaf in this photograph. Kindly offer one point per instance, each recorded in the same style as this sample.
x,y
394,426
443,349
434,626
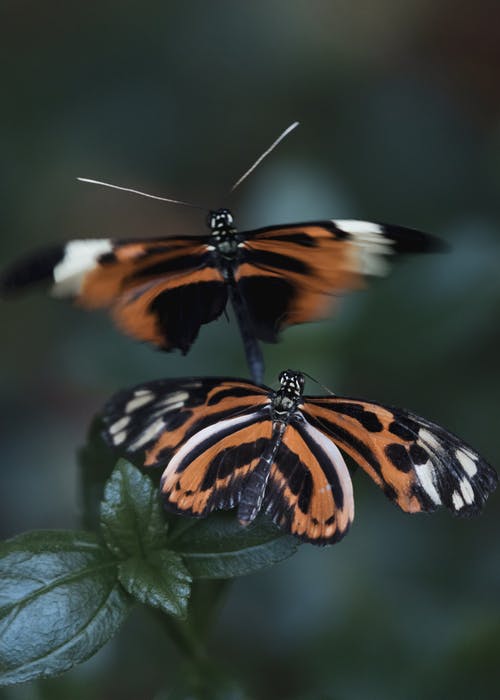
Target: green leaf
x,y
134,528
161,581
219,547
96,461
60,601
132,521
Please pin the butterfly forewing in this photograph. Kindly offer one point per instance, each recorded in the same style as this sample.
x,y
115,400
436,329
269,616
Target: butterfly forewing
x,y
207,434
418,464
159,416
289,274
159,291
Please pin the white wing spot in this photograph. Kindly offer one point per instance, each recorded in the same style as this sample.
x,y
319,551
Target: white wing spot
x,y
467,491
79,258
172,407
370,246
457,500
119,425
139,401
429,439
425,474
142,392
178,397
119,438
468,462
148,434
366,229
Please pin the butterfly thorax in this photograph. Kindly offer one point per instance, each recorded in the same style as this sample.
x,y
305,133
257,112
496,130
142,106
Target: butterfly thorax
x,y
285,401
224,238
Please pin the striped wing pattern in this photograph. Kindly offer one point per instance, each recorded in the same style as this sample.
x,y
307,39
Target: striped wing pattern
x,y
219,447
418,464
157,417
310,490
158,291
289,274
161,291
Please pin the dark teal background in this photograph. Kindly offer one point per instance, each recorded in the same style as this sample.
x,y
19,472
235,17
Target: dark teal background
x,y
399,103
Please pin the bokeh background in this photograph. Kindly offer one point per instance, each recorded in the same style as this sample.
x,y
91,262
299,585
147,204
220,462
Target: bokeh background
x,y
399,103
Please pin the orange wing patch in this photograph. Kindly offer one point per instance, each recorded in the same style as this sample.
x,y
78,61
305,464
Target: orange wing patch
x,y
365,438
209,470
137,263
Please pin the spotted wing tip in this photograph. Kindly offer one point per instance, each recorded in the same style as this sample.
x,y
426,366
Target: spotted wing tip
x,y
482,485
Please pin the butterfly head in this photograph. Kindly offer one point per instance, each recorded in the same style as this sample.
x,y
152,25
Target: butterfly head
x,y
220,220
224,236
289,394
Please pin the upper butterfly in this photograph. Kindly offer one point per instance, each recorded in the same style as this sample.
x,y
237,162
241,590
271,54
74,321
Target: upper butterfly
x,y
162,290
228,442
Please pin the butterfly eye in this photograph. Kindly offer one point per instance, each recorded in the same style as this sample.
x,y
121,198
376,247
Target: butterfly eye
x,y
283,377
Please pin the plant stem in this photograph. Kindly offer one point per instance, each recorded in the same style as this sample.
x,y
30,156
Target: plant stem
x,y
186,640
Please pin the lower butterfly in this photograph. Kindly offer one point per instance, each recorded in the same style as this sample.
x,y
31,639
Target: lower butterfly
x,y
227,443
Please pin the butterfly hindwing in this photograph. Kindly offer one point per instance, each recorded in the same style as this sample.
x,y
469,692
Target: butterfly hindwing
x,y
210,470
290,274
310,489
418,464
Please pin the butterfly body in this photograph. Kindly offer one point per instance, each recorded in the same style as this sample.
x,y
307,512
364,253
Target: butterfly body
x,y
223,443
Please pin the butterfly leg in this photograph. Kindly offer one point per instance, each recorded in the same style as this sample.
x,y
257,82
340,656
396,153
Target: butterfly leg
x,y
253,353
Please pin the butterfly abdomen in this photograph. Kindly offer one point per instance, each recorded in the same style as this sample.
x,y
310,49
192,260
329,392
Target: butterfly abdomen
x,y
254,489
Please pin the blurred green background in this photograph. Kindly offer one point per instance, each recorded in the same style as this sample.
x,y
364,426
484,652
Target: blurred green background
x,y
399,103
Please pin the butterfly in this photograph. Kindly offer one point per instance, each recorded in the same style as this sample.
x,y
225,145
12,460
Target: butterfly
x,y
162,290
228,443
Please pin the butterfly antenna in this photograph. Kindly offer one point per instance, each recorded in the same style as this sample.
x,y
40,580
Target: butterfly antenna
x,y
265,154
329,391
142,194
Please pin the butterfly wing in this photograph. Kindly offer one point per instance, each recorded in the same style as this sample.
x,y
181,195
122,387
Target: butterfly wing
x,y
159,291
207,434
310,490
289,274
419,465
